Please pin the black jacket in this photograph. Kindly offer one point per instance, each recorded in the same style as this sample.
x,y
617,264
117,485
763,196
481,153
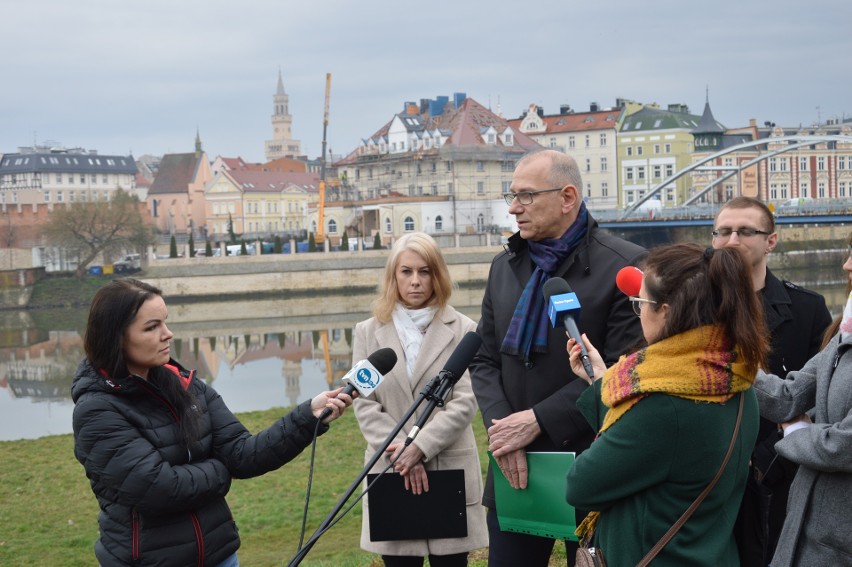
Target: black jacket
x,y
504,385
159,504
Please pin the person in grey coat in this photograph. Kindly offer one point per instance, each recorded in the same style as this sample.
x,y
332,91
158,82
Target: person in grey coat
x,y
816,531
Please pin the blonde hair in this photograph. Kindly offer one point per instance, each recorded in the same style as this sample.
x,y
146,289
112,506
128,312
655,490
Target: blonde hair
x,y
426,247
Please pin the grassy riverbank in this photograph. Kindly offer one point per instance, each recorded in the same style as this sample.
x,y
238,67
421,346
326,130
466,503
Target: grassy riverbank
x,y
48,514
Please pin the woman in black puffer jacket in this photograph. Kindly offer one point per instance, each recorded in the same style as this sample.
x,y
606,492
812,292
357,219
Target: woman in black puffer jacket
x,y
159,446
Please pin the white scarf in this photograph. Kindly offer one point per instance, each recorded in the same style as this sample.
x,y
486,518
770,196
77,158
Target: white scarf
x,y
411,325
846,322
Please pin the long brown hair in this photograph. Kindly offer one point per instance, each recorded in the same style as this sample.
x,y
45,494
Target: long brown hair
x,y
703,286
113,309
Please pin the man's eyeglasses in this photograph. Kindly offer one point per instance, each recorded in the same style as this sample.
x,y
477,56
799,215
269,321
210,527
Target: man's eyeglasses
x,y
637,303
526,197
742,232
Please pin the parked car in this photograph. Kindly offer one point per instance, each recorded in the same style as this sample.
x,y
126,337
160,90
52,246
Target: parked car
x,y
128,263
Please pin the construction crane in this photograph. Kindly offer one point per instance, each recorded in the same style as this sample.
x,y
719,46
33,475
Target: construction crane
x,y
320,236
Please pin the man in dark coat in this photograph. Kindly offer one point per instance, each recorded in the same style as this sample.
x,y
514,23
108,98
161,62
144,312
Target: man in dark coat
x,y
521,376
796,319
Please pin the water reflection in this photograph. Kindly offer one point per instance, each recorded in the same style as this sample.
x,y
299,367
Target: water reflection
x,y
257,354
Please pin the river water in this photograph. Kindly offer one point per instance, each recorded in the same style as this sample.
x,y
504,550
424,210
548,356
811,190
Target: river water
x,y
257,354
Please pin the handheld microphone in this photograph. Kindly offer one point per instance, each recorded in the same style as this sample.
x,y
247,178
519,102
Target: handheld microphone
x,y
629,280
366,375
447,378
563,309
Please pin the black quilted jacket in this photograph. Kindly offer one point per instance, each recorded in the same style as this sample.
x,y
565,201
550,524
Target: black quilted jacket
x,y
161,504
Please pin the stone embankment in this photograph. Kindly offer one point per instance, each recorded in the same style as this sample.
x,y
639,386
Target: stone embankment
x,y
299,274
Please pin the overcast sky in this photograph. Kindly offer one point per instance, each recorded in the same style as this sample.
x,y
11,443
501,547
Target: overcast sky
x,y
140,77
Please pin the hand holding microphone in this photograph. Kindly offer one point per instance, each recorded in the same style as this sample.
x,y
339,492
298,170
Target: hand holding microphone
x,y
575,352
364,377
563,308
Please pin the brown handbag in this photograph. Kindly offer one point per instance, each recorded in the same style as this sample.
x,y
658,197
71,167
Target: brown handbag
x,y
593,556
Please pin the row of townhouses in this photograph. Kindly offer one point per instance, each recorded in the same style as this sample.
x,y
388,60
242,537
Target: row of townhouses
x,y
438,165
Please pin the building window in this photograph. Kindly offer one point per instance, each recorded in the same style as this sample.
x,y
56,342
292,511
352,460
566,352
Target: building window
x,y
408,224
640,172
669,170
803,164
841,163
629,150
773,165
449,188
628,173
480,166
571,142
604,189
821,163
59,179
656,148
588,165
773,191
388,225
603,140
588,190
449,166
821,190
480,187
106,178
588,141
841,189
668,148
638,150
506,186
439,223
434,188
480,223
658,171
603,165
59,196
47,196
553,143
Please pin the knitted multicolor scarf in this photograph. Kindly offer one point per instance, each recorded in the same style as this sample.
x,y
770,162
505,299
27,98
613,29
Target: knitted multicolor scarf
x,y
528,329
701,364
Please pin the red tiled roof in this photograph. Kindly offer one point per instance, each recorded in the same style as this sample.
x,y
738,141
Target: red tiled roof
x,y
576,122
264,181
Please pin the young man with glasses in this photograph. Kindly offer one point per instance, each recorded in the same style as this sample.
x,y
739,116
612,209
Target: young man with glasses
x,y
522,376
796,319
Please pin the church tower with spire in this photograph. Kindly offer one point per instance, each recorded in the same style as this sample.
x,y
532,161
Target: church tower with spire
x,y
282,143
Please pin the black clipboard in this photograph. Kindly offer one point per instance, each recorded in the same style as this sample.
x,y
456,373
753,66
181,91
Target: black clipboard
x,y
397,514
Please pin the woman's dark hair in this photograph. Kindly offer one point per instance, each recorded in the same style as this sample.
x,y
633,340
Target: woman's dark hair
x,y
113,309
703,286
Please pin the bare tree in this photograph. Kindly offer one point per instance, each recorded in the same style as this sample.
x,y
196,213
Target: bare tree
x,y
99,226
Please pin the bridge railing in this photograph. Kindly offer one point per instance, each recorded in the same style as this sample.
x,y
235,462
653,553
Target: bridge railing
x,y
809,207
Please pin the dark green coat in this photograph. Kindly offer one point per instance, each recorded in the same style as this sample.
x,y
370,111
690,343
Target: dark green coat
x,y
646,469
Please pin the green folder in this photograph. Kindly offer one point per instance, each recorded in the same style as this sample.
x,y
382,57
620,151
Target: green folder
x,y
540,509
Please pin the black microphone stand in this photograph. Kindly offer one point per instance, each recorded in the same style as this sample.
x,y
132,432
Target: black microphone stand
x,y
436,391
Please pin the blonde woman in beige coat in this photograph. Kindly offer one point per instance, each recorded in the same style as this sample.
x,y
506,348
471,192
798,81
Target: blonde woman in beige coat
x,y
413,318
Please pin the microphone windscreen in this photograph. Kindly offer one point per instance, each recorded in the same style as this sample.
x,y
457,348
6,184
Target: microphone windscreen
x,y
463,355
629,280
383,360
555,286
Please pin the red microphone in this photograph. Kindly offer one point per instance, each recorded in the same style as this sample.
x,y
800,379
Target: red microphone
x,y
629,280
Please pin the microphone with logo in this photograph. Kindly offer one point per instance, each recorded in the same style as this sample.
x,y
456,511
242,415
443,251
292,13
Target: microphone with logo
x,y
563,309
439,388
366,375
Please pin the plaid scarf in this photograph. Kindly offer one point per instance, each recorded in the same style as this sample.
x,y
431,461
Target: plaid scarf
x,y
528,329
700,364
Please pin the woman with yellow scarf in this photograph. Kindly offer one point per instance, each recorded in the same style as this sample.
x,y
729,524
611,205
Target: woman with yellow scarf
x,y
666,413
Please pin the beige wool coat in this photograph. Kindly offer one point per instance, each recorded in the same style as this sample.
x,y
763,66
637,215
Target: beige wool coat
x,y
446,440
